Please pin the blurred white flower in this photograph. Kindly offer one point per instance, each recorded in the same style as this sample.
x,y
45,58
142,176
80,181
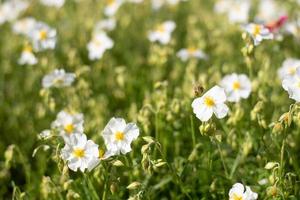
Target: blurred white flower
x,y
10,10
24,26
236,86
135,1
213,101
45,134
239,192
54,3
105,25
258,33
98,45
27,56
157,4
185,54
68,124
292,85
112,6
237,11
58,78
118,136
80,153
288,68
268,11
162,33
293,28
43,37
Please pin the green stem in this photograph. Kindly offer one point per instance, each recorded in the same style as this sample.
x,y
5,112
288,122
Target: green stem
x,y
222,159
193,131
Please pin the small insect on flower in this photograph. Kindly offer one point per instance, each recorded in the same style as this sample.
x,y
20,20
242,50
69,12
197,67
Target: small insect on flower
x,y
292,85
54,3
238,192
43,37
24,26
213,101
185,54
58,78
80,153
118,136
288,68
162,33
98,45
236,86
112,6
27,56
258,33
68,124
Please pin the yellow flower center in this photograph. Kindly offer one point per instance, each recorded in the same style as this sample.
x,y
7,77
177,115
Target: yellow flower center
x,y
191,50
69,128
78,153
237,197
161,29
292,70
110,2
236,85
43,35
119,136
209,102
27,48
256,30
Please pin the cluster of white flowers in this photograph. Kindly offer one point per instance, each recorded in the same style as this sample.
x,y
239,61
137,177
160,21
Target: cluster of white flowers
x,y
234,88
240,192
162,33
10,10
81,153
289,73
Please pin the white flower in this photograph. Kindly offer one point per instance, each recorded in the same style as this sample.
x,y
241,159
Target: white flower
x,y
43,37
27,57
135,1
236,86
288,68
98,45
258,33
58,78
118,136
45,134
10,10
112,7
80,153
24,26
162,33
55,3
237,192
269,11
292,85
293,28
68,124
105,25
211,102
185,54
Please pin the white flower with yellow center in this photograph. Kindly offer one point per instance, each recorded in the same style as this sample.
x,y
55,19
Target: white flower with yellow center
x,y
239,192
43,37
24,26
118,136
27,56
292,85
68,123
288,68
212,102
185,54
98,45
162,33
112,6
54,3
80,153
258,33
236,86
58,78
